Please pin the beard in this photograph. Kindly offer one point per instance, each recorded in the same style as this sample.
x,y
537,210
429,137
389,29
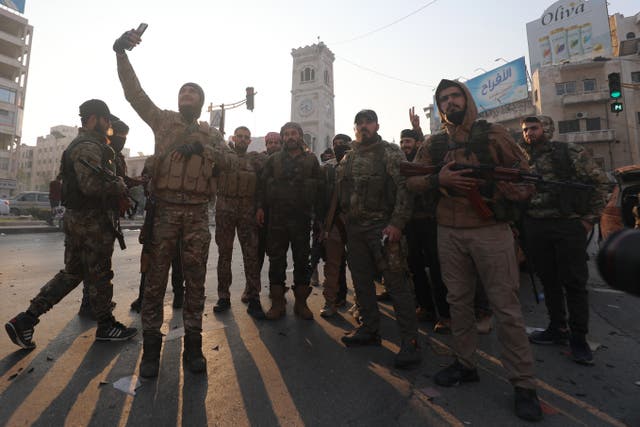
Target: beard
x,y
189,112
456,117
240,148
292,144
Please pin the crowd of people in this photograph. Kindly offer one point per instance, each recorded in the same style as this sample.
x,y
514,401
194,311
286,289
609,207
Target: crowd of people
x,y
440,241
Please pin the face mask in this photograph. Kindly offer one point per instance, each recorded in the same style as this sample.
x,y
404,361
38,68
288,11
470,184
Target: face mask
x,y
117,143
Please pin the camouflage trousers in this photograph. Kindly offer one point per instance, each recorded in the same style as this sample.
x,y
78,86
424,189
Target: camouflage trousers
x,y
88,247
226,225
173,225
367,258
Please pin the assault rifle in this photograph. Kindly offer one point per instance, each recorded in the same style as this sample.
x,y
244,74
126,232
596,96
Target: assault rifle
x,y
108,176
491,173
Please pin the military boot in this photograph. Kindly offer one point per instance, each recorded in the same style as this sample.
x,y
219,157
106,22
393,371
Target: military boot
x,y
150,363
300,307
278,308
192,357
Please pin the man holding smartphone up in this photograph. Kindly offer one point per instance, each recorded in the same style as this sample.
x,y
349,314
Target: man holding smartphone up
x,y
182,185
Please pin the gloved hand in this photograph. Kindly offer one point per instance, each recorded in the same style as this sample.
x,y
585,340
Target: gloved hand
x,y
190,148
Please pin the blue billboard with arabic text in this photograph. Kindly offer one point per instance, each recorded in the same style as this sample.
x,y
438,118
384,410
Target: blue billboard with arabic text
x,y
503,85
14,4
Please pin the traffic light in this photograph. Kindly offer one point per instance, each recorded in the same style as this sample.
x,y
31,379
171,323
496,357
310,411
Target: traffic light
x,y
250,95
616,107
614,85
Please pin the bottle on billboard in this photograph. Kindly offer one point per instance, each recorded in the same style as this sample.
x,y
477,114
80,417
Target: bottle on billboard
x,y
574,40
559,45
545,50
585,35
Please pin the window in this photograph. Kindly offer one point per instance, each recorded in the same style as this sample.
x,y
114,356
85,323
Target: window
x,y
308,74
593,124
29,197
565,88
568,126
631,36
7,96
6,117
43,197
638,116
635,77
535,95
326,77
589,85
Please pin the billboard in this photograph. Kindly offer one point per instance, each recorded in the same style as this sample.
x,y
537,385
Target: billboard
x,y
500,86
14,4
569,30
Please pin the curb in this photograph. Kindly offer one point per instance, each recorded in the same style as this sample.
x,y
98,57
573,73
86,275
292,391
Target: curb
x,y
30,229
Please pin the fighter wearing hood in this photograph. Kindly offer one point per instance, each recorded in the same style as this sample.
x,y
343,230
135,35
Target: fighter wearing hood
x,y
472,246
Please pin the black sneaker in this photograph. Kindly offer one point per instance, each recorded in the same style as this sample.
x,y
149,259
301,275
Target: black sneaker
x,y
550,336
255,309
409,354
455,374
20,330
222,305
115,332
580,351
360,336
527,404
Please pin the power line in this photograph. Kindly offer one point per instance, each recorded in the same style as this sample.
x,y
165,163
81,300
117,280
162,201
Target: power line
x,y
384,75
385,26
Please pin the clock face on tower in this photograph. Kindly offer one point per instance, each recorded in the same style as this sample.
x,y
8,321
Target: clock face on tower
x,y
306,107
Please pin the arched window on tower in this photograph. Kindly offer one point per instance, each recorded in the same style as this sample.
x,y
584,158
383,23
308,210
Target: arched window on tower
x,y
631,36
326,77
307,75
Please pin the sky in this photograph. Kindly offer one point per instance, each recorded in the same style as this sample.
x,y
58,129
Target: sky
x,y
226,46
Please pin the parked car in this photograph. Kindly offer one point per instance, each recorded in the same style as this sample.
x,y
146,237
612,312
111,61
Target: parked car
x,y
34,203
618,213
4,207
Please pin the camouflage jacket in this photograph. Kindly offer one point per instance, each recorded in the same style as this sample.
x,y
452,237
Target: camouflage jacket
x,y
170,128
237,184
370,187
82,187
294,184
558,161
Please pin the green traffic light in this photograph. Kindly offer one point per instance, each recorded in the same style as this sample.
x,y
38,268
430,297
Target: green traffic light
x,y
616,94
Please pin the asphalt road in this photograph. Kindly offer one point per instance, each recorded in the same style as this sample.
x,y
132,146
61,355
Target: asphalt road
x,y
288,372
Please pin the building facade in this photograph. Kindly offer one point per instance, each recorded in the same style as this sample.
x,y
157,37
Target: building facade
x,y
312,97
15,49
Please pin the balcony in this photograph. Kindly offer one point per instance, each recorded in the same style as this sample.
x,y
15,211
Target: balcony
x,y
586,97
605,135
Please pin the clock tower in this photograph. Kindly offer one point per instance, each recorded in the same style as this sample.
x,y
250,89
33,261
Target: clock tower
x,y
312,95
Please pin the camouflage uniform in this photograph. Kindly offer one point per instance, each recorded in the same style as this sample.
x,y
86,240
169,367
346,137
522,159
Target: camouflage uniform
x,y
235,209
556,239
182,189
89,229
291,194
372,195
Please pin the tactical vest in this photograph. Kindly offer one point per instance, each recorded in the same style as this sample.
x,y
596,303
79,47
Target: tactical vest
x,y
239,180
188,179
72,197
567,200
292,182
370,189
478,144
